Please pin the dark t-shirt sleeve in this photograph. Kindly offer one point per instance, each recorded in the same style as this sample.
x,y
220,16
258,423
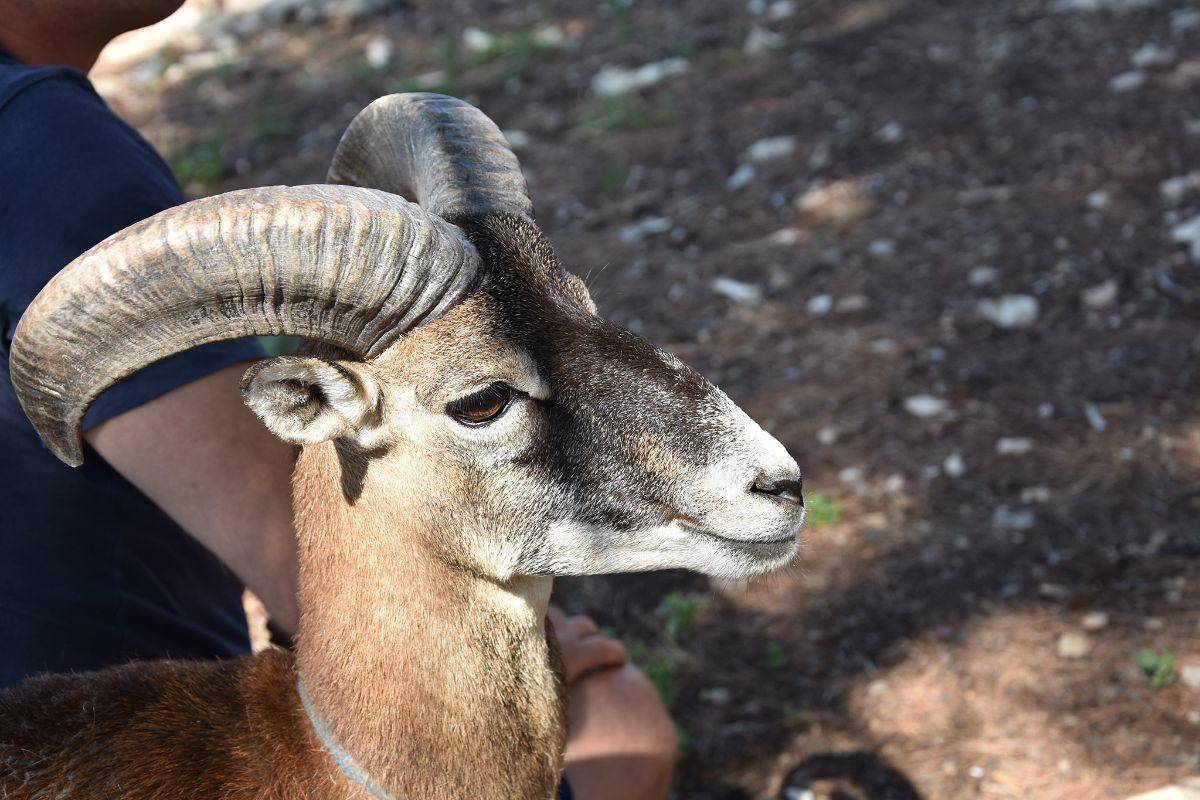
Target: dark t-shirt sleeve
x,y
72,174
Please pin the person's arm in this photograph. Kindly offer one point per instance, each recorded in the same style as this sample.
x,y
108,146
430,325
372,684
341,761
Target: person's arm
x,y
205,459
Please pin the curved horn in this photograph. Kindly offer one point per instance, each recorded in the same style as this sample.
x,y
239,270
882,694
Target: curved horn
x,y
444,153
349,266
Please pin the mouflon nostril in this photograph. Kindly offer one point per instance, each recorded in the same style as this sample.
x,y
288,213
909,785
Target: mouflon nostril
x,y
788,489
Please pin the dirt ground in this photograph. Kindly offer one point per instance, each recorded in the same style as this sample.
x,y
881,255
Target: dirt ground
x,y
999,596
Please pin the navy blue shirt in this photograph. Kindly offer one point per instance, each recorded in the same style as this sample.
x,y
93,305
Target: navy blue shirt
x,y
91,572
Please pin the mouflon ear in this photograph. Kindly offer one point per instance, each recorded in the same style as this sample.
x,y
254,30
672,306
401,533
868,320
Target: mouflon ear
x,y
310,400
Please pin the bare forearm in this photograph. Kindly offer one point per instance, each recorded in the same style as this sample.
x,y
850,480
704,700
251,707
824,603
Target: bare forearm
x,y
203,458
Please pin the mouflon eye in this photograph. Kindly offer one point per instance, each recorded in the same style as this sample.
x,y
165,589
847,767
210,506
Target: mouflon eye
x,y
481,407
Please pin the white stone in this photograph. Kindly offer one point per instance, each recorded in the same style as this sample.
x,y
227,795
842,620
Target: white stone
x,y
982,276
820,305
1173,190
647,227
851,475
550,36
1021,519
1180,791
852,304
827,435
379,51
1094,417
1185,19
612,80
716,695
1128,81
771,148
893,483
1101,296
1010,310
1013,446
738,291
954,466
741,177
761,40
1153,55
882,248
1190,675
477,39
1098,200
1073,645
781,9
924,405
1035,494
891,133
1188,232
517,139
1094,621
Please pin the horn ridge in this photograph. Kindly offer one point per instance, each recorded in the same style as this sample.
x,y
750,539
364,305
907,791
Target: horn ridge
x,y
350,266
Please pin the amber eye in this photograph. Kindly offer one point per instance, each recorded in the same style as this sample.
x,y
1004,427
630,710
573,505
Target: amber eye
x,y
482,406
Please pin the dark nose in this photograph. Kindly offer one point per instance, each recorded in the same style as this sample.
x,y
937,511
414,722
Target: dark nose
x,y
789,490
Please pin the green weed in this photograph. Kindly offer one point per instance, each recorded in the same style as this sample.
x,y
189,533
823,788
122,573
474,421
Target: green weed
x,y
1159,666
822,510
677,612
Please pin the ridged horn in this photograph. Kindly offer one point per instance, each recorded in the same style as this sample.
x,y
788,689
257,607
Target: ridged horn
x,y
350,266
437,150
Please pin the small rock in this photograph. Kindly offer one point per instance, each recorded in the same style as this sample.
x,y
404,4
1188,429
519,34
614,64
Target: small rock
x,y
893,483
647,227
890,133
379,51
1094,621
1153,623
1010,310
611,80
1094,418
761,40
517,139
1073,645
741,177
550,36
1153,55
781,9
771,148
1190,675
982,276
787,236
1184,20
1098,200
954,466
477,40
852,304
1054,591
924,405
716,695
1013,446
851,475
738,291
882,248
1188,233
1035,494
1173,190
1178,791
827,435
1021,519
1128,81
1100,296
820,305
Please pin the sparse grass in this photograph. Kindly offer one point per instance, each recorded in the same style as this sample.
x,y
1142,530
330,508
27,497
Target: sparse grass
x,y
613,177
627,114
678,612
522,48
774,656
822,510
1159,666
199,161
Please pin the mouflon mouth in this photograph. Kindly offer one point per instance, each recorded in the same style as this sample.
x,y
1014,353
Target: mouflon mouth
x,y
770,548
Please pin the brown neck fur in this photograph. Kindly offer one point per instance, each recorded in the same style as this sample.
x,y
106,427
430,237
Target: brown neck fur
x,y
439,682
